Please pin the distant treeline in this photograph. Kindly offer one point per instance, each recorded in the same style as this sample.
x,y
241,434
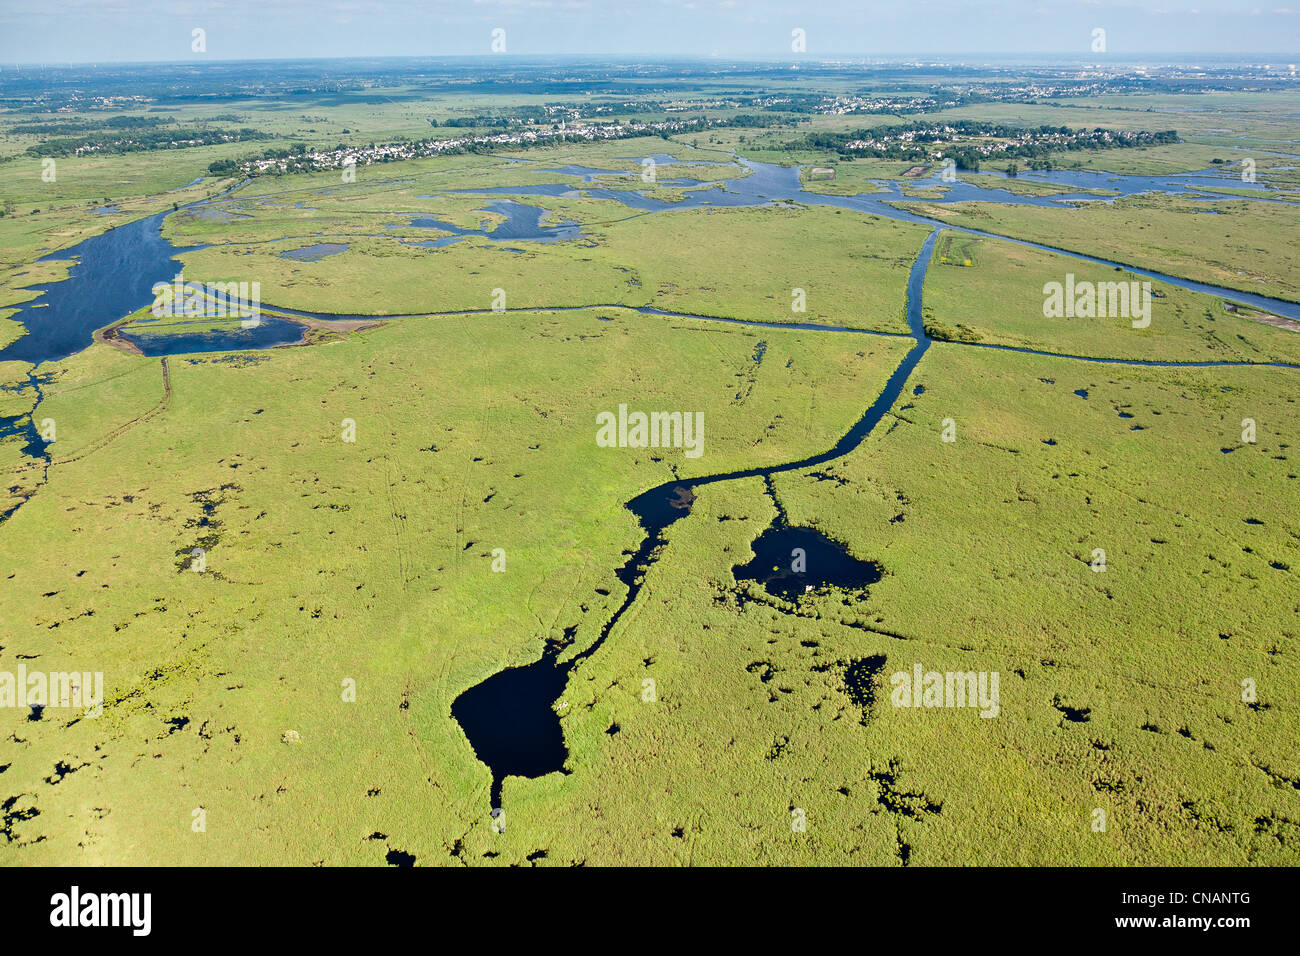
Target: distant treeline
x,y
514,119
143,140
295,158
63,127
911,141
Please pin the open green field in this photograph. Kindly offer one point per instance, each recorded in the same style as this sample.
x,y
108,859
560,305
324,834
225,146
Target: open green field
x,y
989,569
329,560
1248,246
736,263
384,544
995,290
400,509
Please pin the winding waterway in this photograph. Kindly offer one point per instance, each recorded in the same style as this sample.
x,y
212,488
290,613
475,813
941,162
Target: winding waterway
x,y
509,718
113,273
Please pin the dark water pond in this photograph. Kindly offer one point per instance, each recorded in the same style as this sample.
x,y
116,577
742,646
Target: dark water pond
x,y
510,721
790,561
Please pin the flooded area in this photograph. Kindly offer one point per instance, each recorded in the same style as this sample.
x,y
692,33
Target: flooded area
x,y
315,252
112,273
521,223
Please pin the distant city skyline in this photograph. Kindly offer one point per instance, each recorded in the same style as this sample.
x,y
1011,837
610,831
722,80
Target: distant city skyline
x,y
79,31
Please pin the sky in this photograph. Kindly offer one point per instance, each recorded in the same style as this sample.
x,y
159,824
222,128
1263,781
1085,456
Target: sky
x,y
54,31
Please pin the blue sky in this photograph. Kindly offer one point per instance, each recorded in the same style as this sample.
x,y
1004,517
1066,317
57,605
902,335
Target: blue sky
x,y
110,30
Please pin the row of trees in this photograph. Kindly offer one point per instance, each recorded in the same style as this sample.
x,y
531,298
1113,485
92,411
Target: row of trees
x,y
143,140
297,161
1030,143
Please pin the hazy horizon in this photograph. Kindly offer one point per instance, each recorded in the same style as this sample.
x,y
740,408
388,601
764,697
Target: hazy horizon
x,y
153,31
1276,59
